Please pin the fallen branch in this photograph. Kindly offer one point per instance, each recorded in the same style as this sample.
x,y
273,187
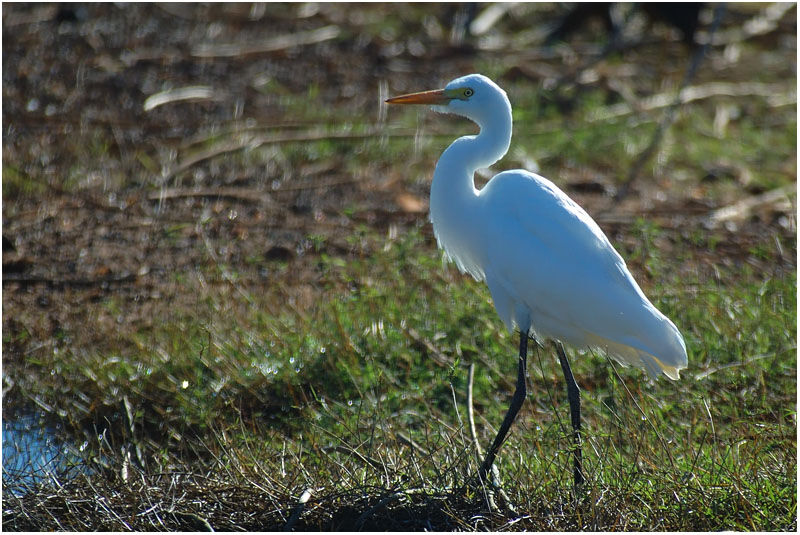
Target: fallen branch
x,y
741,209
254,142
438,357
196,92
319,185
762,24
76,283
247,140
239,194
774,94
274,44
702,375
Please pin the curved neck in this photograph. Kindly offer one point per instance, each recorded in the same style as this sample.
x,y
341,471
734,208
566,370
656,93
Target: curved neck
x,y
454,203
456,167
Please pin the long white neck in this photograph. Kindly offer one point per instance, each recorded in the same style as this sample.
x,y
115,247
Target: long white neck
x,y
458,163
453,193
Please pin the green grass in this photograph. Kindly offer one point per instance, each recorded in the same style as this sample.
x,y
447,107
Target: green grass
x,y
383,358
16,182
714,450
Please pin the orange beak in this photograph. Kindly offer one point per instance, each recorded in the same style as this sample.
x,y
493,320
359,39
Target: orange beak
x,y
436,96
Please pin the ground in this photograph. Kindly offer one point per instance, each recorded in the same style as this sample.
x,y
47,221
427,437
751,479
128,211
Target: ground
x,y
178,270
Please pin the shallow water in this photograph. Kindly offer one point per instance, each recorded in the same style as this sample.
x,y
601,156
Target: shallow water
x,y
34,455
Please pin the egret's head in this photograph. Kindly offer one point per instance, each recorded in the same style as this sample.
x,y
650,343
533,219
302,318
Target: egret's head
x,y
473,96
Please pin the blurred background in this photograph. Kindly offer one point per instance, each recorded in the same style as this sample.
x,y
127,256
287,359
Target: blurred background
x,y
207,207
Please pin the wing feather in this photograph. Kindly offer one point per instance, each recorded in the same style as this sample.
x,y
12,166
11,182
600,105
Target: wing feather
x,y
546,253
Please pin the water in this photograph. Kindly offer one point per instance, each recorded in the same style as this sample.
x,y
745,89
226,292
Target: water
x,y
34,455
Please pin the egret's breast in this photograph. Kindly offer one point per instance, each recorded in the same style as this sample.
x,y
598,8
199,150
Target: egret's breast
x,y
456,215
459,244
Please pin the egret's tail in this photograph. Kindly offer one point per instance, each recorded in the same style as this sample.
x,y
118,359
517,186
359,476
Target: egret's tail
x,y
655,367
673,359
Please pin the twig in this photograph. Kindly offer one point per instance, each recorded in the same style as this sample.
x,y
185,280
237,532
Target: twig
x,y
710,419
649,420
102,502
350,451
414,446
253,142
200,523
79,283
702,375
487,18
495,476
239,194
743,208
761,24
199,92
774,94
438,357
489,495
470,417
274,44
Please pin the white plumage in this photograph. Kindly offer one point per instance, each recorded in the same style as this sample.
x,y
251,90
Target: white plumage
x,y
548,265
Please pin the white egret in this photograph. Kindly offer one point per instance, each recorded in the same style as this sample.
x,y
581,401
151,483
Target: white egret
x,y
551,271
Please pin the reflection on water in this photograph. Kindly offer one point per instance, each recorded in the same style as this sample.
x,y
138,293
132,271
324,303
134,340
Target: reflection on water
x,y
33,454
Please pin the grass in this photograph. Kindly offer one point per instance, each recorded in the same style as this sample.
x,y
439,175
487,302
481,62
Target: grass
x,y
331,400
346,374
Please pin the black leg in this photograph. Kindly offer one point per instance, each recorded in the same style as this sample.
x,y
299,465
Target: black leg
x,y
513,409
574,396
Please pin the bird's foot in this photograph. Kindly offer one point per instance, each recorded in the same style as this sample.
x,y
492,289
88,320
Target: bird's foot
x,y
489,488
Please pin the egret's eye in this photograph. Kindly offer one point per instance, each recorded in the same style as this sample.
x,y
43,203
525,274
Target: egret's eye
x,y
462,93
